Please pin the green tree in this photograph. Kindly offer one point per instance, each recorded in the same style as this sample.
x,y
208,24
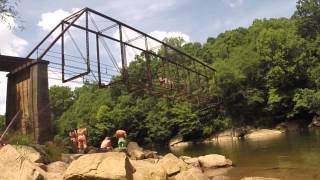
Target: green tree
x,y
61,98
308,16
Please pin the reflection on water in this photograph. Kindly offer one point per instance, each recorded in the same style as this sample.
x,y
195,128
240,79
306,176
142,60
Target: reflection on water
x,y
292,156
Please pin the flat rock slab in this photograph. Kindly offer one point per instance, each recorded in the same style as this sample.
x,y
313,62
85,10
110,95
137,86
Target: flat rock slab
x,y
102,166
214,161
263,134
15,166
29,152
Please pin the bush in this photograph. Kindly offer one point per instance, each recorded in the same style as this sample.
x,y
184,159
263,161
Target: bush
x,y
19,139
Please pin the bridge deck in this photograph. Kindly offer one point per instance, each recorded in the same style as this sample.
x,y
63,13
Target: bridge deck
x,y
9,63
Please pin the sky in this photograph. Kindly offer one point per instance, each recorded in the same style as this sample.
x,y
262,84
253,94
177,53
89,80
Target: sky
x,y
194,20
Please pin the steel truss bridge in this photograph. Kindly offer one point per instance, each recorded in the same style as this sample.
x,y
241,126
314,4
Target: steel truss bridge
x,y
90,46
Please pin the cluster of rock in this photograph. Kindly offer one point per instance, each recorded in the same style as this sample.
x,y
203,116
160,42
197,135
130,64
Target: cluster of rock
x,y
247,132
23,162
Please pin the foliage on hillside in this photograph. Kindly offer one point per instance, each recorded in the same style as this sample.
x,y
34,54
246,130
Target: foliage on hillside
x,y
266,73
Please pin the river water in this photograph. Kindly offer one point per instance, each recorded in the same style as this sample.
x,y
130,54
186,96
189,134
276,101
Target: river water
x,y
292,156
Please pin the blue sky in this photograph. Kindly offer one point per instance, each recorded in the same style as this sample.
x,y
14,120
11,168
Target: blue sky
x,y
198,19
194,20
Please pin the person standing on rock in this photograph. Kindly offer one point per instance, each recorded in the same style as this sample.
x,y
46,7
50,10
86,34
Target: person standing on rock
x,y
106,145
121,136
82,139
74,140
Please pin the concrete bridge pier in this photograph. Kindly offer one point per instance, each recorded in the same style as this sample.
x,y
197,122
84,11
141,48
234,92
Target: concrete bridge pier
x,y
27,91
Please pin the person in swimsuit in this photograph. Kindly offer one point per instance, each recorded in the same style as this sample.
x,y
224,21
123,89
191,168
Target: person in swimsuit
x,y
106,145
82,139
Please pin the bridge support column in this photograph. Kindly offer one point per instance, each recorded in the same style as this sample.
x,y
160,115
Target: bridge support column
x,y
27,91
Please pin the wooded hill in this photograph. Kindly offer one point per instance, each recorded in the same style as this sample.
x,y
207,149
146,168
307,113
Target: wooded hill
x,y
266,74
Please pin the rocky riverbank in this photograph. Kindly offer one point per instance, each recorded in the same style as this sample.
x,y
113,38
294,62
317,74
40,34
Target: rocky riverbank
x,y
24,162
246,133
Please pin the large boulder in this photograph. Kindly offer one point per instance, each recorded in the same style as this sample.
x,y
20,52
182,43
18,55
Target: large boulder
x,y
262,134
146,170
102,166
68,158
57,167
191,174
30,153
259,178
15,166
172,164
135,151
214,161
192,162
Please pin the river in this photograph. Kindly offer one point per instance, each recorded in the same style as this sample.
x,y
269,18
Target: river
x,y
292,156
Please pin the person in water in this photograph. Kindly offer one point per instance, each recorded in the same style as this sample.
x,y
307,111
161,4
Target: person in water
x,y
106,145
121,136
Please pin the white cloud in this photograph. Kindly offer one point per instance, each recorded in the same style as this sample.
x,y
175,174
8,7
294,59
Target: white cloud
x,y
140,9
50,19
163,34
160,35
12,45
233,3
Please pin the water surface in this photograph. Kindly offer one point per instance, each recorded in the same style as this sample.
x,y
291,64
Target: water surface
x,y
292,156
